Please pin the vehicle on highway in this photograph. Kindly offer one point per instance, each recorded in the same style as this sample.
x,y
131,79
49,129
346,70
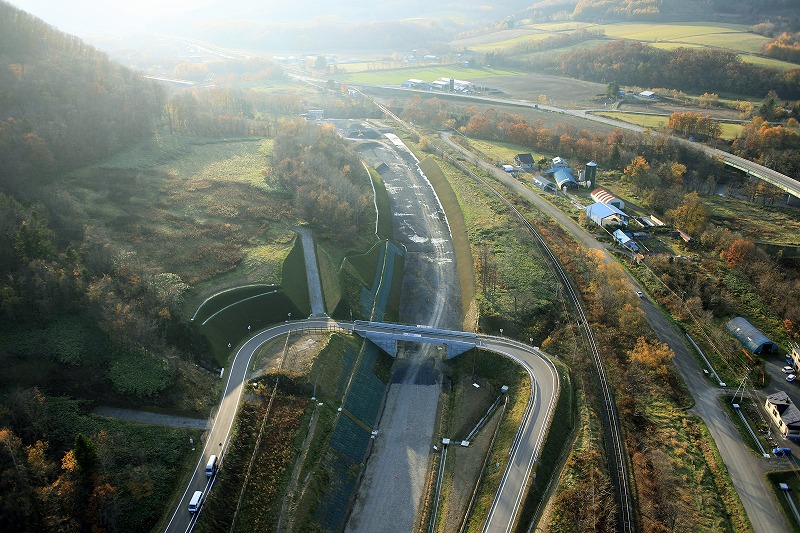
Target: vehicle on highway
x,y
779,452
196,501
787,370
211,466
791,377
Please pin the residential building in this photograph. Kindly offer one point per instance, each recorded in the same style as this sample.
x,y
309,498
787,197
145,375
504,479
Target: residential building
x,y
784,414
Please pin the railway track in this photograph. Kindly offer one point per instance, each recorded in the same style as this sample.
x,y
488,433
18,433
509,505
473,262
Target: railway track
x,y
618,463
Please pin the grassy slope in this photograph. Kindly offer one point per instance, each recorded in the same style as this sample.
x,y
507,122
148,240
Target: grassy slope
x,y
455,219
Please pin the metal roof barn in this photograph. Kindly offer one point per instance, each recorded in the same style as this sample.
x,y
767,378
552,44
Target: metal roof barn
x,y
606,214
750,336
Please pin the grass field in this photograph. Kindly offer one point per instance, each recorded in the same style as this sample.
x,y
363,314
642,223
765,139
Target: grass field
x,y
397,76
734,37
656,122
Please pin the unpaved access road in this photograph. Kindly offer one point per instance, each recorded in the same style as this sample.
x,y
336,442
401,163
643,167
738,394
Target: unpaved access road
x,y
393,485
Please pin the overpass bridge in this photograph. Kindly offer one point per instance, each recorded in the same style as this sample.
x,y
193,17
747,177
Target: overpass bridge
x,y
386,336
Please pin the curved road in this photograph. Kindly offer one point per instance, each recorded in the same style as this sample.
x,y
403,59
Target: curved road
x,y
523,455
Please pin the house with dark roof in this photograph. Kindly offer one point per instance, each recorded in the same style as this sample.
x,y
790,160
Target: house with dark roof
x,y
750,336
525,161
784,414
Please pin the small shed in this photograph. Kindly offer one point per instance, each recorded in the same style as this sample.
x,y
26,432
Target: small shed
x,y
606,215
750,336
544,184
623,238
603,196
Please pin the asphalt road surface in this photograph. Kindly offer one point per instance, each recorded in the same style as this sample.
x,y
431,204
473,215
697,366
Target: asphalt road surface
x,y
523,455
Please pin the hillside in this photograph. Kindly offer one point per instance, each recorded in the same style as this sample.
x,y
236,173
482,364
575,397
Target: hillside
x,y
749,12
63,103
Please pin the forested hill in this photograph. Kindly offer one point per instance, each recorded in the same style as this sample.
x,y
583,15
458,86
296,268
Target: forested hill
x,y
751,11
62,102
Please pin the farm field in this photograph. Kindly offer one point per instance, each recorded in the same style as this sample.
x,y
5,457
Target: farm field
x,y
397,76
735,37
729,131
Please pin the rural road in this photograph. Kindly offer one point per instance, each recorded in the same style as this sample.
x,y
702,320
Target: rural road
x,y
783,181
545,383
745,469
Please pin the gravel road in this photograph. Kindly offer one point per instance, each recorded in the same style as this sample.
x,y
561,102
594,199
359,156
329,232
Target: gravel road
x,y
392,488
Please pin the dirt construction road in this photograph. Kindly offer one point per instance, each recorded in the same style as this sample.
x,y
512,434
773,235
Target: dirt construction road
x,y
392,488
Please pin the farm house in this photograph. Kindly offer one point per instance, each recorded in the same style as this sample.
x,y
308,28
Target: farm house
x,y
750,336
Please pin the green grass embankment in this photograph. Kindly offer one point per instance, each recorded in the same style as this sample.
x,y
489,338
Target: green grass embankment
x,y
458,229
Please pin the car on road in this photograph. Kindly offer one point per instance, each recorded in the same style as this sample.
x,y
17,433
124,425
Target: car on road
x,y
779,452
791,377
639,294
787,370
196,501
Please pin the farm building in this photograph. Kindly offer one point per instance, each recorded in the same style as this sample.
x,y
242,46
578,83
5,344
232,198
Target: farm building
x,y
562,173
623,238
525,161
649,95
784,414
564,178
414,84
544,184
606,215
603,196
750,336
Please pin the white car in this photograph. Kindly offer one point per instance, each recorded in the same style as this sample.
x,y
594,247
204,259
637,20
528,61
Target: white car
x,y
787,370
791,377
639,294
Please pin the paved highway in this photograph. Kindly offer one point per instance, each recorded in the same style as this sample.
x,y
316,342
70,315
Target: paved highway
x,y
524,452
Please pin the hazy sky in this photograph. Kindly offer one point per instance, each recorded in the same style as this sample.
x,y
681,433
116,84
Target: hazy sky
x,y
80,17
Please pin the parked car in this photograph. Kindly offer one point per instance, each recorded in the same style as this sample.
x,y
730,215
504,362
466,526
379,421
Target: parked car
x,y
788,370
781,451
791,377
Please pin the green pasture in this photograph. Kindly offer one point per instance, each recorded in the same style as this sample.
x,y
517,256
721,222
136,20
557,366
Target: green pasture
x,y
734,37
399,75
502,151
729,131
508,43
773,224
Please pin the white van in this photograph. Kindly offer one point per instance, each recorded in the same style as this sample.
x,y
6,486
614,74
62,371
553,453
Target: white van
x,y
211,466
197,499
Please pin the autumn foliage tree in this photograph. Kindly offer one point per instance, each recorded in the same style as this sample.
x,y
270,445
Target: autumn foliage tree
x,y
740,251
653,355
